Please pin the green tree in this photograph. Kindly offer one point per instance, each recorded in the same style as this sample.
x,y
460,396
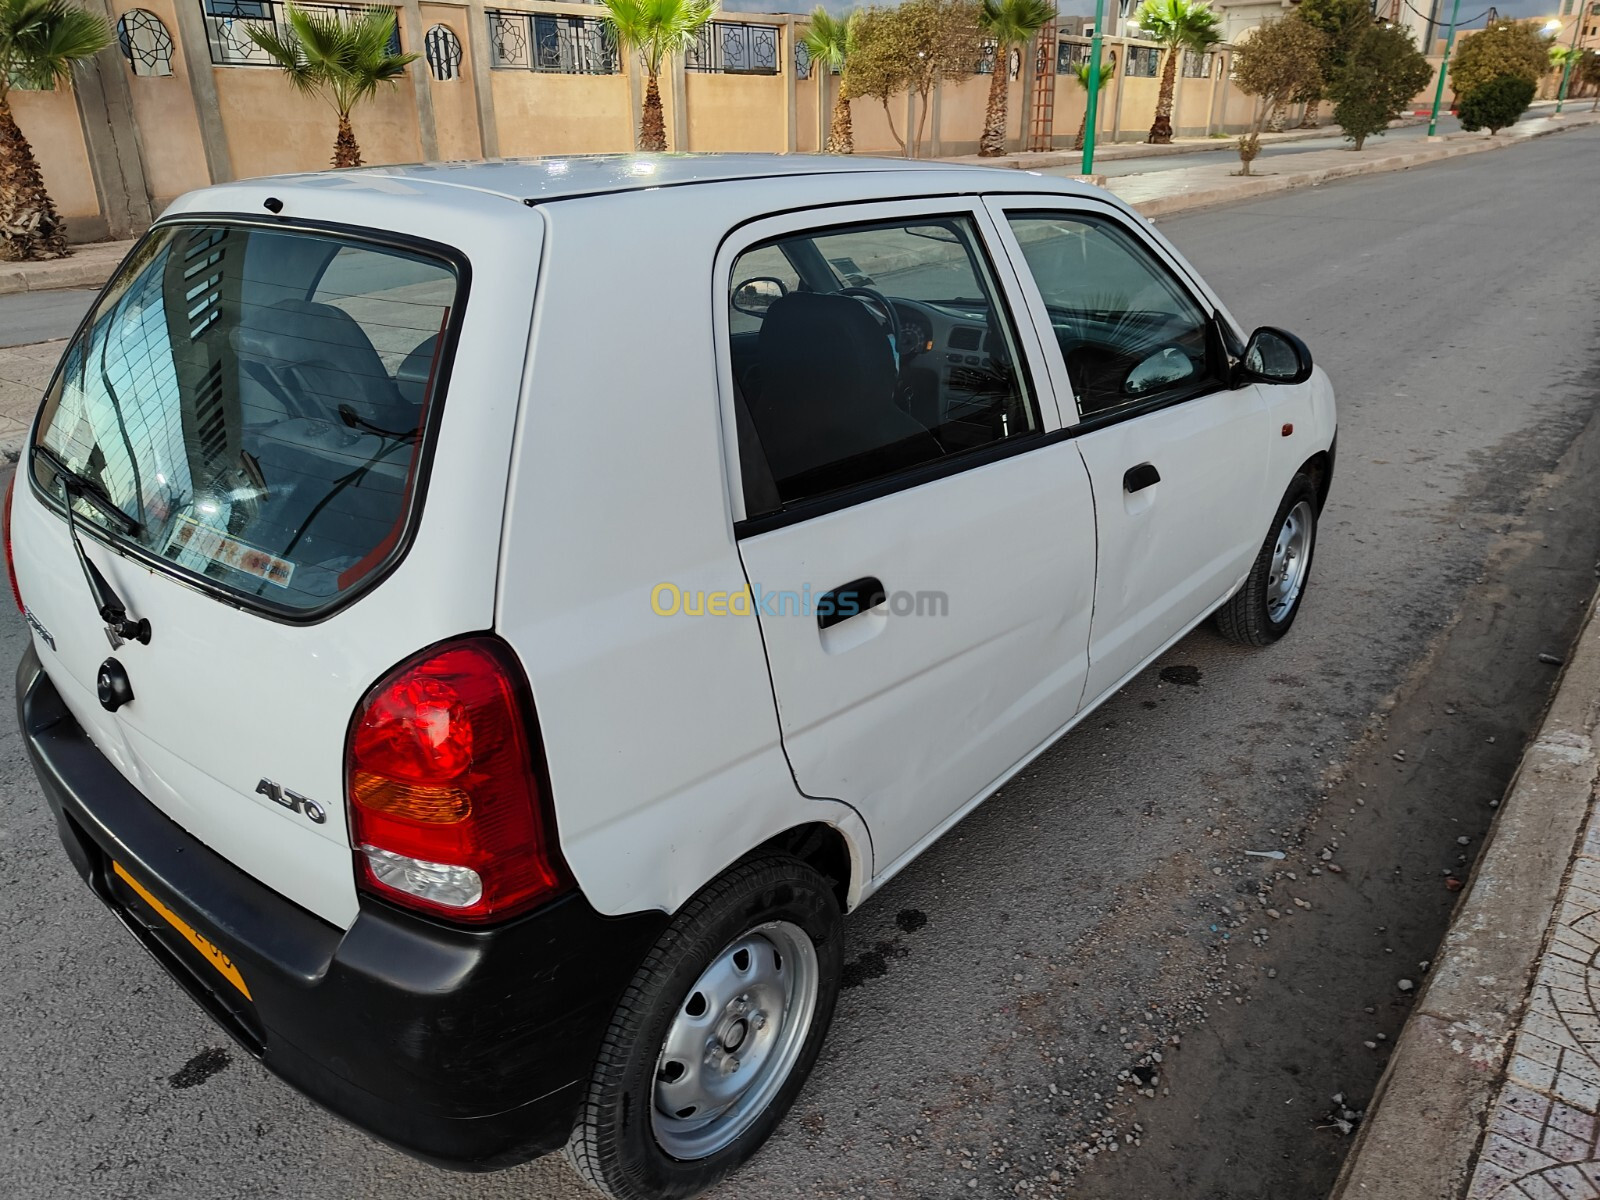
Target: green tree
x,y
1277,61
1496,104
40,40
830,40
340,61
1343,22
1178,25
911,48
875,69
1007,23
1375,82
1588,72
1081,73
1505,48
655,30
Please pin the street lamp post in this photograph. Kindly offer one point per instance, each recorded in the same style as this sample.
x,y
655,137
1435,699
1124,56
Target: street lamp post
x,y
1566,69
1444,68
1091,119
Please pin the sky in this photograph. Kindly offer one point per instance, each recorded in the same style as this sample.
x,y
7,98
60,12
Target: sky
x,y
1521,9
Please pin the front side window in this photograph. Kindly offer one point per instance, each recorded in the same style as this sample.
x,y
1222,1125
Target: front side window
x,y
1129,333
863,351
255,401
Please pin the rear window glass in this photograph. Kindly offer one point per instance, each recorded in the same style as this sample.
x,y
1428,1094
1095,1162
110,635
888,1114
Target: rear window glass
x,y
256,401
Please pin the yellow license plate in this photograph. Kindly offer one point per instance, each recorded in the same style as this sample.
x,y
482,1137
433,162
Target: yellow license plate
x,y
209,952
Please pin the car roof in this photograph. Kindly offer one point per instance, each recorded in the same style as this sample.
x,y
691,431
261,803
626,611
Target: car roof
x,y
540,180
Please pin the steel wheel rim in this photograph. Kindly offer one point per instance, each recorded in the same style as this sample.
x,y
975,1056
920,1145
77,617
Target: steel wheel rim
x,y
1291,559
734,1040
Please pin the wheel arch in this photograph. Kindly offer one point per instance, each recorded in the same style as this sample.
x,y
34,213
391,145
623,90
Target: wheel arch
x,y
1320,468
828,850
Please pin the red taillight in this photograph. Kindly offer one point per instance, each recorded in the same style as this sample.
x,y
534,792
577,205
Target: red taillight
x,y
442,781
11,561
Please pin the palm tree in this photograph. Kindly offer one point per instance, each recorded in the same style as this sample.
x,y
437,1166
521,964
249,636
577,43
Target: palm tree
x,y
1107,70
1007,23
342,61
656,30
39,42
1178,25
830,40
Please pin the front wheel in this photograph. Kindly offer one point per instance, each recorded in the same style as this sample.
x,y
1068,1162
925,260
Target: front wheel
x,y
715,1036
1264,607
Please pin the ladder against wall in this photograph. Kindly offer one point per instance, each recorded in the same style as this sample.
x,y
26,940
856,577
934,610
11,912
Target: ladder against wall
x,y
1042,109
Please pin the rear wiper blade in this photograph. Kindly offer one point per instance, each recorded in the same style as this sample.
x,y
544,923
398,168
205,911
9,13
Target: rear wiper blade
x,y
119,626
87,487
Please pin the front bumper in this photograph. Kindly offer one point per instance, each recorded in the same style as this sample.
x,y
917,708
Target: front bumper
x,y
465,1047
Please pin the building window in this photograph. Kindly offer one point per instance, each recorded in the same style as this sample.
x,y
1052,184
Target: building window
x,y
228,25
724,47
442,48
145,43
550,42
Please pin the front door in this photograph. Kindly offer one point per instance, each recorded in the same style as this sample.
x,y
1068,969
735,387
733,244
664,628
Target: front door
x,y
1177,458
920,551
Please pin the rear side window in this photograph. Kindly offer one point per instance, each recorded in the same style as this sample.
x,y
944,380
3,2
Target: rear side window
x,y
864,352
256,400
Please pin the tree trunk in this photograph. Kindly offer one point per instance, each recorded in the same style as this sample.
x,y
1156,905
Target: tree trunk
x,y
1083,129
841,138
1361,140
1275,121
1250,143
1161,127
653,121
922,123
29,225
993,144
345,151
888,113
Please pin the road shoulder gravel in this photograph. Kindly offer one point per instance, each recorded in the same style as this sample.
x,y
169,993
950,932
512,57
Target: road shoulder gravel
x,y
1455,1108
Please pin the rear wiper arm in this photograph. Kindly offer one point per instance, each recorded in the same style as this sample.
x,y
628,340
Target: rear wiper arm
x,y
85,486
119,626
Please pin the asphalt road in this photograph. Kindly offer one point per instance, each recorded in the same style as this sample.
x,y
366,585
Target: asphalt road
x,y
1009,991
29,317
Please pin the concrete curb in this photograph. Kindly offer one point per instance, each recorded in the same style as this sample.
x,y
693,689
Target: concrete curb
x,y
1427,1117
88,266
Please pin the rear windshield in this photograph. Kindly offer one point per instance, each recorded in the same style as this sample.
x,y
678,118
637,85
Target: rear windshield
x,y
256,401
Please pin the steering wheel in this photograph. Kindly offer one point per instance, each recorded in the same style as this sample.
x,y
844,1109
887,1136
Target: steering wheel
x,y
890,318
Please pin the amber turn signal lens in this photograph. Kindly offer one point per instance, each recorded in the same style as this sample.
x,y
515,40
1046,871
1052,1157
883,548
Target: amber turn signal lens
x,y
418,802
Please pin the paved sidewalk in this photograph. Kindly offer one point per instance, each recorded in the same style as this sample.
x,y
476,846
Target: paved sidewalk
x,y
1493,1092
1035,160
24,372
1161,193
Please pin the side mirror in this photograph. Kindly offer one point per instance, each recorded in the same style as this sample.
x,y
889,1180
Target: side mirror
x,y
1274,356
754,296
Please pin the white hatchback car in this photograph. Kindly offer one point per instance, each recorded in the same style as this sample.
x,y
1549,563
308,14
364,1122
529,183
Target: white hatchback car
x,y
490,621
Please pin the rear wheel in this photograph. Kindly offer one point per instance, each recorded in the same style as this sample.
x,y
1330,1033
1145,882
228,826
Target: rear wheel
x,y
1264,608
715,1036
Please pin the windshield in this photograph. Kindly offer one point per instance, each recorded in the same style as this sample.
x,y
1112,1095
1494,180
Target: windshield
x,y
256,401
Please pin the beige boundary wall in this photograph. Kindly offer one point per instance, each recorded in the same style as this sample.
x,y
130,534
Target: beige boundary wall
x,y
206,122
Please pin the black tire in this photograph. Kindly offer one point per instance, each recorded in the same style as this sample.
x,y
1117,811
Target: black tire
x,y
1247,617
614,1146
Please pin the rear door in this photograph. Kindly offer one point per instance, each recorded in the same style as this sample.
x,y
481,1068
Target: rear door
x,y
1177,458
247,429
919,548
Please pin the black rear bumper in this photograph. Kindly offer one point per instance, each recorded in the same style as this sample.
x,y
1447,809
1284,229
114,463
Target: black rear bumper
x,y
464,1047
